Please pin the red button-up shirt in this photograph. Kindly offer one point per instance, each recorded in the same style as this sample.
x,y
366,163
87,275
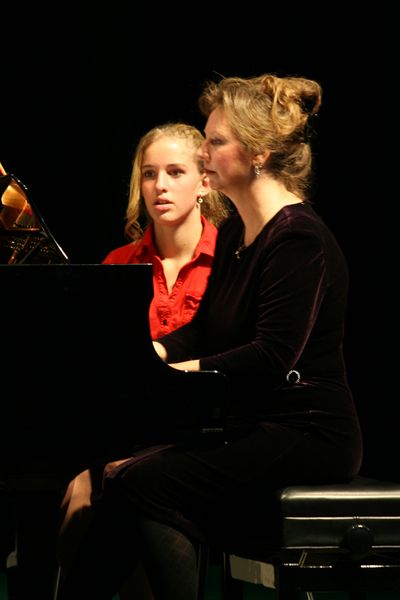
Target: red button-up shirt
x,y
170,311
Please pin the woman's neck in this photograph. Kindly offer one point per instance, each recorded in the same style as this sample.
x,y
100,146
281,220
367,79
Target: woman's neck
x,y
260,204
176,246
178,242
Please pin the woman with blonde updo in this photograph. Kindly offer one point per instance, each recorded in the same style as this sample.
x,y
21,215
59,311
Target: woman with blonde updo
x,y
272,319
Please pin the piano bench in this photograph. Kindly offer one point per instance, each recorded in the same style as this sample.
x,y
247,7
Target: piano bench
x,y
340,537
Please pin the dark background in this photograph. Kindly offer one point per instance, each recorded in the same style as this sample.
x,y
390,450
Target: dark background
x,y
78,90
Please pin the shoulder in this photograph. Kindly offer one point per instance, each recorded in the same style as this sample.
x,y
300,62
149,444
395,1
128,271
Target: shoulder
x,y
302,233
208,238
125,254
209,229
300,220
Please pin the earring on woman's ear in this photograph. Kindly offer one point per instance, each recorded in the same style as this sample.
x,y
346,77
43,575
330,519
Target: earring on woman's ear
x,y
200,200
258,169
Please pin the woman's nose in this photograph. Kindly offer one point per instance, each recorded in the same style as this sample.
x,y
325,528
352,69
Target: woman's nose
x,y
161,181
202,152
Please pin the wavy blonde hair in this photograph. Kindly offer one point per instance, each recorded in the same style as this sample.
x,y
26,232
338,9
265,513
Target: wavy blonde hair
x,y
215,207
270,113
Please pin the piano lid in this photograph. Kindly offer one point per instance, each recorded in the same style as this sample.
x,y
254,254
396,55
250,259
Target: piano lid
x,y
24,234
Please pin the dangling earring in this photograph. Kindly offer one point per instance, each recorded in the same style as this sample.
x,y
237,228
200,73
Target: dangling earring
x,y
258,169
200,200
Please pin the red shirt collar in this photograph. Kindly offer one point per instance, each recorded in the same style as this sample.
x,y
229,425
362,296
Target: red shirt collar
x,y
206,244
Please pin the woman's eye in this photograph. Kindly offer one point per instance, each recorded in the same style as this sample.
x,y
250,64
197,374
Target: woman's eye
x,y
176,173
215,141
148,174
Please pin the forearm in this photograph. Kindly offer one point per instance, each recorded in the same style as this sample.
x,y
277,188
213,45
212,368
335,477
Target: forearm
x,y
161,351
187,365
182,344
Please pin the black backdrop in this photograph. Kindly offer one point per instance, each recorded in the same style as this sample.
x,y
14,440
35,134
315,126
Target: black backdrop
x,y
79,90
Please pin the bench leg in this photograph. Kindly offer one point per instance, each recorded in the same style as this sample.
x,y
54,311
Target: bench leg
x,y
232,589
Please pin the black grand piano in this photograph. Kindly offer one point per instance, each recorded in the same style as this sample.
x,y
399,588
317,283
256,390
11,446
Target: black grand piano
x,y
80,382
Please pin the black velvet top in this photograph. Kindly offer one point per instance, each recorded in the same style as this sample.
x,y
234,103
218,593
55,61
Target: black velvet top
x,y
277,307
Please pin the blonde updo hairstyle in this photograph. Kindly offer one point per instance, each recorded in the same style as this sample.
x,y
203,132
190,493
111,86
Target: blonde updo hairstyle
x,y
214,207
270,113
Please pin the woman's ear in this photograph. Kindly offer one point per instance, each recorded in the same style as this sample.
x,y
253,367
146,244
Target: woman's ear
x,y
261,158
204,188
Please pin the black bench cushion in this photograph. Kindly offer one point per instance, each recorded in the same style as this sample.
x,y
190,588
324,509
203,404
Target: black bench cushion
x,y
328,516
